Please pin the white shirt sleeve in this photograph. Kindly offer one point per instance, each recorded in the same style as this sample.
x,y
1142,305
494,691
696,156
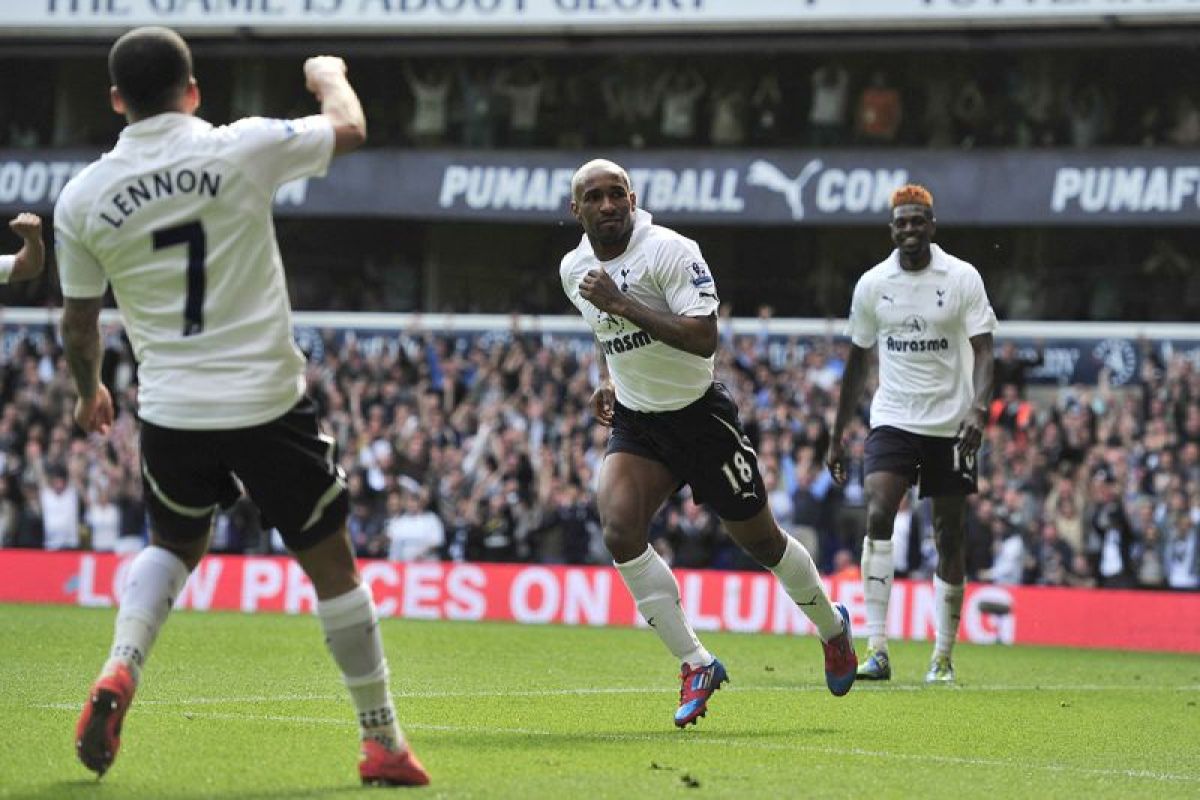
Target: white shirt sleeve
x,y
563,271
862,327
686,282
978,316
7,263
78,270
275,151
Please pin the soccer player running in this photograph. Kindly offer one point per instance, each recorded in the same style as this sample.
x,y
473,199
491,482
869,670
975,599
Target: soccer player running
x,y
177,218
27,262
651,302
930,316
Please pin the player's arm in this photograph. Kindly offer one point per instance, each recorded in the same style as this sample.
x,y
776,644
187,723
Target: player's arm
x,y
325,77
695,335
31,258
970,432
81,343
604,398
854,378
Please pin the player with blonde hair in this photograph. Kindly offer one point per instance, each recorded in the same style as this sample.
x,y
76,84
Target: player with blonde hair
x,y
929,316
651,302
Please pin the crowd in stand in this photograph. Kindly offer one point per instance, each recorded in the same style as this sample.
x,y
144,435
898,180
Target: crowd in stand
x,y
946,100
482,448
1044,100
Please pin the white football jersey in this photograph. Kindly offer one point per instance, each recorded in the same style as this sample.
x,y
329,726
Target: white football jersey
x,y
177,217
666,272
922,322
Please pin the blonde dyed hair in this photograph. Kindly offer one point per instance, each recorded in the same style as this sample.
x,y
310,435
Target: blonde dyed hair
x,y
602,165
912,194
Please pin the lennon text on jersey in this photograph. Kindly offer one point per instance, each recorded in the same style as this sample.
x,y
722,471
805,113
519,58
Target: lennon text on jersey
x,y
156,186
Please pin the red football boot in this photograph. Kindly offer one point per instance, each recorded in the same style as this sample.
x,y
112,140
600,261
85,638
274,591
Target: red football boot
x,y
378,766
697,685
98,732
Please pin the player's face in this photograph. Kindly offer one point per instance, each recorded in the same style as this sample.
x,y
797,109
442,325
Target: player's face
x,y
912,228
604,207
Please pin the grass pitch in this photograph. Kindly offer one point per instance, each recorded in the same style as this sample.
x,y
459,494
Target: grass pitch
x,y
235,706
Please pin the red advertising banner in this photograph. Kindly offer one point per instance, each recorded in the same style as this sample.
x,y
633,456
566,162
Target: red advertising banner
x,y
538,594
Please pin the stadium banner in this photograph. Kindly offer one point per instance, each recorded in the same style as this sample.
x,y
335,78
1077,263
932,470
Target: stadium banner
x,y
746,602
1045,188
1073,354
278,17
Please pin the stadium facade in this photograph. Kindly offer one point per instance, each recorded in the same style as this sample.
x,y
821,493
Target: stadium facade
x,y
1060,140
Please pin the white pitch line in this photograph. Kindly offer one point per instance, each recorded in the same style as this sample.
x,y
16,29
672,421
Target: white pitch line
x,y
854,752
606,690
205,701
347,722
820,689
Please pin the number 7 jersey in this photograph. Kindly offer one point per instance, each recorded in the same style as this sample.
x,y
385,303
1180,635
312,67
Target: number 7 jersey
x,y
177,218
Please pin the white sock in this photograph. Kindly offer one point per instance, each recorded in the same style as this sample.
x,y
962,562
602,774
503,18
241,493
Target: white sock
x,y
948,598
656,593
155,579
352,635
798,575
878,570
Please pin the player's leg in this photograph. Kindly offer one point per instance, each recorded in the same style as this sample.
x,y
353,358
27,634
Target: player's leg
x,y
632,488
891,460
947,478
761,537
722,469
793,566
182,485
290,470
949,582
350,623
884,491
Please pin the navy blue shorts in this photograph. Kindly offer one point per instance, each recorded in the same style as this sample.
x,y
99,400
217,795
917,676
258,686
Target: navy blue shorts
x,y
932,463
703,445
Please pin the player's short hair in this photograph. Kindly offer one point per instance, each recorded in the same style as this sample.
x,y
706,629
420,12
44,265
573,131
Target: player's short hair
x,y
912,194
600,164
151,67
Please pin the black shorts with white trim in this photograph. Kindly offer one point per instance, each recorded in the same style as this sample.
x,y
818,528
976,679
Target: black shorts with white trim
x,y
288,467
933,463
702,444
